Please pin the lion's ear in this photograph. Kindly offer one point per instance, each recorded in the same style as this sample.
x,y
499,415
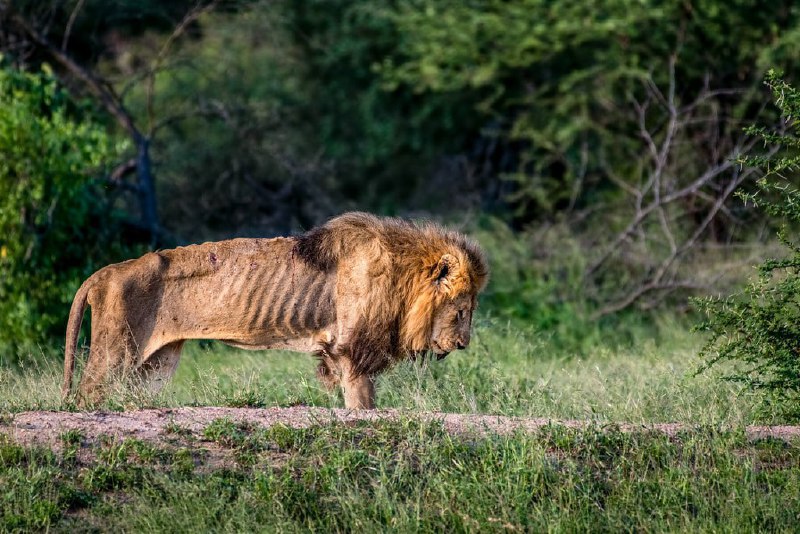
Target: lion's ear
x,y
445,271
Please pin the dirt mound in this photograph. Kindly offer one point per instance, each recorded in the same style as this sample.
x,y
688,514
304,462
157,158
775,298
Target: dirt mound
x,y
45,428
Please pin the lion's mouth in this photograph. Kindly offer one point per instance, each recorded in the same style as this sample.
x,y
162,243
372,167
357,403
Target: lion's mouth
x,y
441,354
435,350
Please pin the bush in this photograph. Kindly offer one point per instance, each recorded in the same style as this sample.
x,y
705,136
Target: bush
x,y
536,284
553,83
54,229
759,328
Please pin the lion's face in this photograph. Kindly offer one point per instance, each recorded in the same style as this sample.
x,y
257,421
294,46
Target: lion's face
x,y
451,325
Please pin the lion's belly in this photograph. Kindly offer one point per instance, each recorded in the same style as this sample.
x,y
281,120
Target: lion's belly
x,y
311,343
261,300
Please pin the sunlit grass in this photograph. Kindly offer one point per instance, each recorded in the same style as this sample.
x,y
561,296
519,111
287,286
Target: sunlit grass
x,y
506,371
410,475
406,476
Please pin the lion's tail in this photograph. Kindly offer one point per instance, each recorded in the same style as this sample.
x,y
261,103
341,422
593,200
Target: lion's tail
x,y
73,330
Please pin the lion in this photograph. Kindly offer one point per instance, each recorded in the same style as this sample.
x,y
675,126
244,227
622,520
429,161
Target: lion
x,y
361,292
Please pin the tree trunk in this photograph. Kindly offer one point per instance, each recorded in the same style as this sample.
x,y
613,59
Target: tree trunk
x,y
146,190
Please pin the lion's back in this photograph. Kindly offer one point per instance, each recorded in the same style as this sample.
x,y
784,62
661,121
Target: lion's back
x,y
245,287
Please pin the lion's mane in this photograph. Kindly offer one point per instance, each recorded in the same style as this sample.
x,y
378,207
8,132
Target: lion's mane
x,y
399,294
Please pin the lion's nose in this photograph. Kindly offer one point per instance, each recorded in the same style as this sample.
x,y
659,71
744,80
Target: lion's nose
x,y
460,345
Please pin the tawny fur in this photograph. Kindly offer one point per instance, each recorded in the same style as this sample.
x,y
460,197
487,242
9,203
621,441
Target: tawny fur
x,y
360,291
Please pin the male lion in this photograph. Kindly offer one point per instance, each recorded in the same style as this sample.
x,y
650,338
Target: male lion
x,y
360,291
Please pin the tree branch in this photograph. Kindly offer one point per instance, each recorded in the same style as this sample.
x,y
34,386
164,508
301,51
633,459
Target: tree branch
x,y
94,84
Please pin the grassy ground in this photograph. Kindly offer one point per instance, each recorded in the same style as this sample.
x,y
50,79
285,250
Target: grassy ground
x,y
506,371
412,476
407,476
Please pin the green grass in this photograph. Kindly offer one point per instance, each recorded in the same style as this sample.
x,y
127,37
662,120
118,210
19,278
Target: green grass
x,y
505,371
410,476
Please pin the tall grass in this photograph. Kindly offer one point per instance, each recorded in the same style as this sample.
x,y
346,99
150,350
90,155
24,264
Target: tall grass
x,y
411,476
506,371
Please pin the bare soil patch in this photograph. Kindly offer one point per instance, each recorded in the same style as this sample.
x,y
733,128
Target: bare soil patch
x,y
158,425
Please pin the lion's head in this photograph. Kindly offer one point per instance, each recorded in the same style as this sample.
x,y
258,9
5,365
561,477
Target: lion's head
x,y
414,285
444,295
451,325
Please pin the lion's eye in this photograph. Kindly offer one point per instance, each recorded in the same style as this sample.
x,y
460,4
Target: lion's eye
x,y
461,314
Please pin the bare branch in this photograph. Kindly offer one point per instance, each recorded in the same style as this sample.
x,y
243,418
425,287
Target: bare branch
x,y
70,23
196,12
643,290
95,85
728,163
121,170
668,129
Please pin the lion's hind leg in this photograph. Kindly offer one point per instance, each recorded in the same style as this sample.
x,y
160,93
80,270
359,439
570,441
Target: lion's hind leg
x,y
158,368
111,357
93,385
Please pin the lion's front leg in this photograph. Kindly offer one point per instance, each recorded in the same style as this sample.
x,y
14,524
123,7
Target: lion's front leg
x,y
359,391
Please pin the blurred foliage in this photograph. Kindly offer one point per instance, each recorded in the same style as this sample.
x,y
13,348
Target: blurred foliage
x,y
759,327
266,117
536,285
94,29
54,227
532,282
232,148
423,104
384,141
557,80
